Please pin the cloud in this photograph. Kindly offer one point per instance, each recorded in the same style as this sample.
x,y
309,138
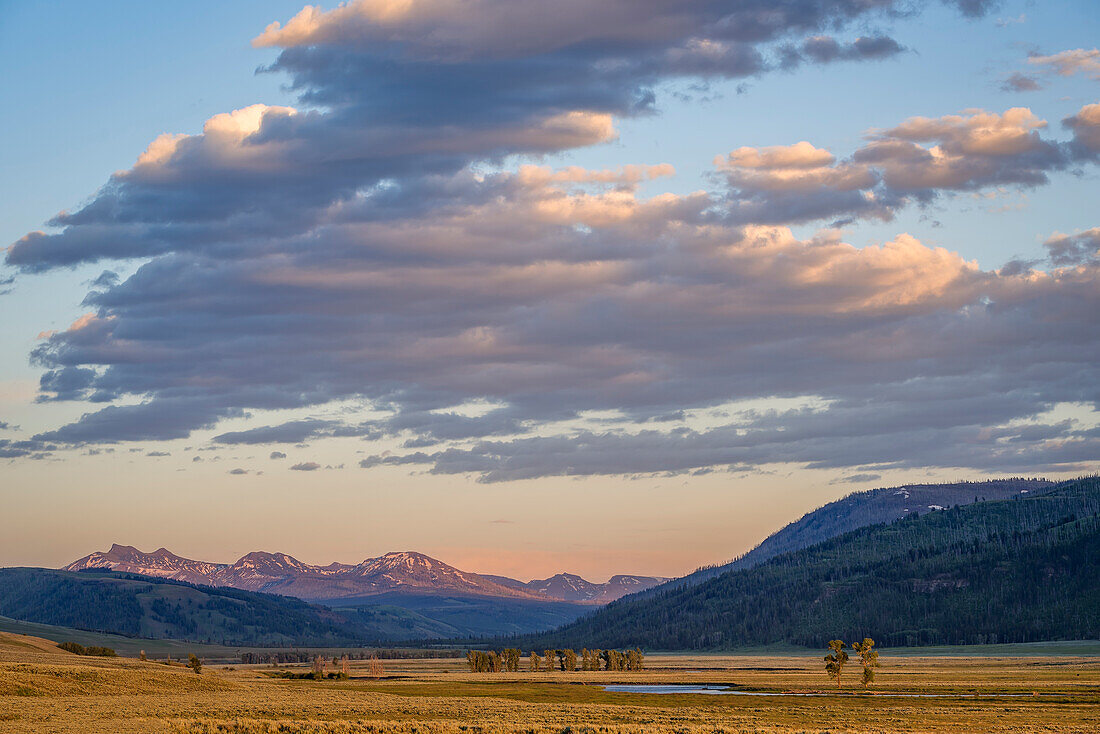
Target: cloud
x,y
944,432
826,49
291,432
1006,22
918,161
1017,82
856,479
455,31
1086,132
369,245
158,453
32,448
277,455
237,472
1082,248
158,420
1068,63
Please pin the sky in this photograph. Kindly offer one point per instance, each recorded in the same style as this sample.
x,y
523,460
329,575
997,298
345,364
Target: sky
x,y
599,287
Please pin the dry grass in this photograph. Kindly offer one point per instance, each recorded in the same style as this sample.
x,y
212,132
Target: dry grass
x,y
44,689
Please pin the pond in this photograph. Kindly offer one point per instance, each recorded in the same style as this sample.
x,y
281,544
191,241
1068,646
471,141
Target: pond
x,y
726,691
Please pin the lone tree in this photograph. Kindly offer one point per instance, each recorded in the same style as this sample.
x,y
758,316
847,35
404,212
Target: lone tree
x,y
835,660
868,657
194,663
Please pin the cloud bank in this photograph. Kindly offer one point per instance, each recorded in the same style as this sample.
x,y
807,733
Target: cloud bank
x,y
390,240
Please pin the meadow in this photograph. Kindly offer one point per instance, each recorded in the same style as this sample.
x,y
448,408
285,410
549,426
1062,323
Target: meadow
x,y
44,689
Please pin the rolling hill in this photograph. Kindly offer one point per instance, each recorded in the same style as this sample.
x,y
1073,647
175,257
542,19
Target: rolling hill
x,y
1015,570
857,510
136,606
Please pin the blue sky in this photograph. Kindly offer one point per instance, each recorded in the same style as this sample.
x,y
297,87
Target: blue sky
x,y
95,83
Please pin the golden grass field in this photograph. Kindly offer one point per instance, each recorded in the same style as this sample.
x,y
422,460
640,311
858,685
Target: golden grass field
x,y
43,689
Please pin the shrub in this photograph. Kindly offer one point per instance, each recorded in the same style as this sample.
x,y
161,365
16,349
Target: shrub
x,y
92,650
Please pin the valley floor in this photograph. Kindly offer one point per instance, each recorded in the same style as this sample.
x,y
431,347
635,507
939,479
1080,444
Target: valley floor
x,y
43,689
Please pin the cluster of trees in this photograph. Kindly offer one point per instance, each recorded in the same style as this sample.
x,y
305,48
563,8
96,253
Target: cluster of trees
x,y
838,657
77,649
1018,570
565,660
319,669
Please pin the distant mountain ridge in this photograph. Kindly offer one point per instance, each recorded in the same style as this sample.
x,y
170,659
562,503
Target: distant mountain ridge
x,y
408,572
570,587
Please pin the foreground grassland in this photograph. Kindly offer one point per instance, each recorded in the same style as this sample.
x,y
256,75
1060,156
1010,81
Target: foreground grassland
x,y
43,689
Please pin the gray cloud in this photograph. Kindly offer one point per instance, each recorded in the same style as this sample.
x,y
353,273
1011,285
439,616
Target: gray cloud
x,y
291,432
826,49
1086,132
1017,82
856,479
161,419
30,448
306,466
277,455
1082,248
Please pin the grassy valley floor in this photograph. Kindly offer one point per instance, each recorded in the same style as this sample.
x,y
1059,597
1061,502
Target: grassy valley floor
x,y
43,689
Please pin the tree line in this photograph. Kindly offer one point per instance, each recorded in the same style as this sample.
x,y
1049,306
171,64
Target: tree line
x,y
509,660
277,657
91,650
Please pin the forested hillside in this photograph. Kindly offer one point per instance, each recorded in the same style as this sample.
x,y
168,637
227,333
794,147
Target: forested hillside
x,y
1017,570
156,608
858,510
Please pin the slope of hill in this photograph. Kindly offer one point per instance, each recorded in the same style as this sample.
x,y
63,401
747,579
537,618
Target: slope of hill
x,y
1019,570
406,572
860,509
137,606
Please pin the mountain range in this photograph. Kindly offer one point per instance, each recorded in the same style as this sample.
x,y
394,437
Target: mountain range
x,y
1002,560
408,573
